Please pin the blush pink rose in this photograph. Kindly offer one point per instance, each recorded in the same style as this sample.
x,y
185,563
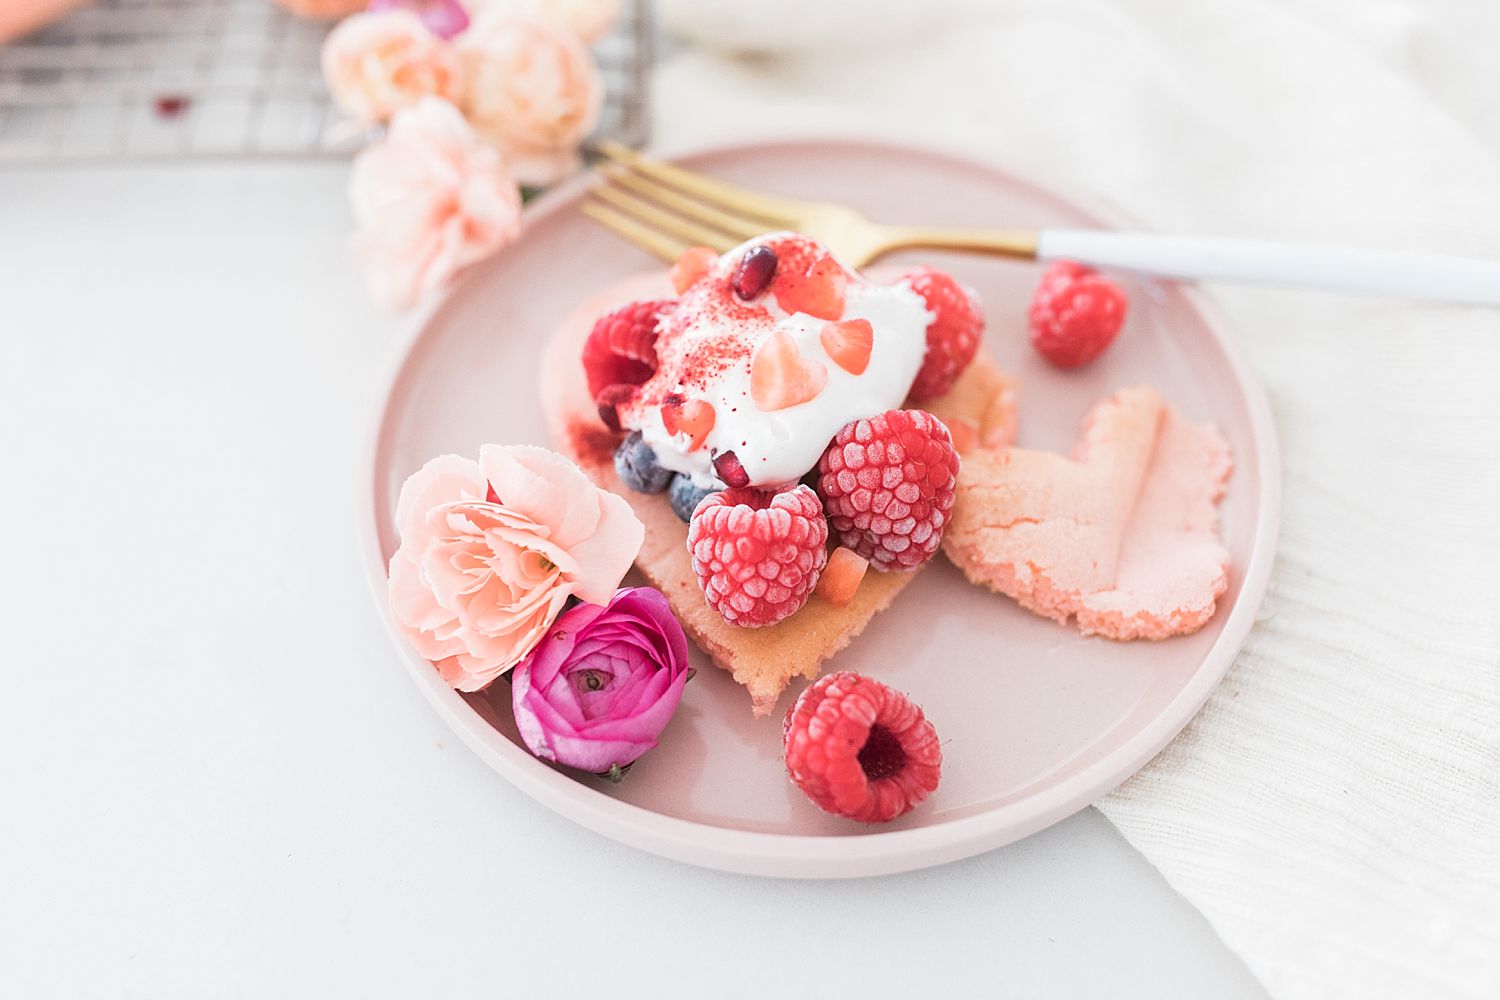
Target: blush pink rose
x,y
590,20
532,89
444,18
430,199
596,693
376,64
491,551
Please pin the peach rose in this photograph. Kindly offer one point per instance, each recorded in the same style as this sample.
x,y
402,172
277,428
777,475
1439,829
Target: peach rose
x,y
430,199
323,10
590,20
379,63
531,88
492,550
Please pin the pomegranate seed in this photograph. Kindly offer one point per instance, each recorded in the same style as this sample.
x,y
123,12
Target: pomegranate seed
x,y
609,400
728,466
171,105
755,272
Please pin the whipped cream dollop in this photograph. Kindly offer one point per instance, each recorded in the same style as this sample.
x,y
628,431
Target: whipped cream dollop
x,y
707,345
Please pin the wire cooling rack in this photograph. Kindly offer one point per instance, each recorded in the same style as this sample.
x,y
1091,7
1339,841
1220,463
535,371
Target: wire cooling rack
x,y
147,79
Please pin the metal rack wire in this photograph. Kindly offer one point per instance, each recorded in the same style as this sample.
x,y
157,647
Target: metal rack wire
x,y
149,79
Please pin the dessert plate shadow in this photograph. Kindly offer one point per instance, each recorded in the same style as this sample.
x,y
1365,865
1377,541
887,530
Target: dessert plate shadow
x,y
1036,721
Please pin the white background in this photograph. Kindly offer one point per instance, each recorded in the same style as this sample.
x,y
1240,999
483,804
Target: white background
x,y
218,780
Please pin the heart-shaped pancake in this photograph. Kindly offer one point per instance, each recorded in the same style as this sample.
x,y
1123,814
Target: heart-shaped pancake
x,y
764,660
1123,536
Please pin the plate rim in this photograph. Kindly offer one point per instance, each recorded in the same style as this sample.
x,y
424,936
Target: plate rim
x,y
857,854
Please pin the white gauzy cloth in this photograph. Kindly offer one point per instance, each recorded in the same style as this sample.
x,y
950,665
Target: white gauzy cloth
x,y
1335,809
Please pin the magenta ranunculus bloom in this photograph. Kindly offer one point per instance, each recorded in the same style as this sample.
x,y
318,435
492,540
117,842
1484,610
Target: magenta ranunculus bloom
x,y
444,18
598,690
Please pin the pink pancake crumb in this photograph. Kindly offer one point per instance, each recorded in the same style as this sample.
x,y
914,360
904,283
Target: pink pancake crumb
x,y
1123,536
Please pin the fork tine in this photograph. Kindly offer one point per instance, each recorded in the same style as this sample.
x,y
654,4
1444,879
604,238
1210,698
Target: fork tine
x,y
779,212
739,226
657,245
660,219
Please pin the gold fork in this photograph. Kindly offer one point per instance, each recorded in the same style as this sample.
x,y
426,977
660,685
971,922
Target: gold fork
x,y
665,209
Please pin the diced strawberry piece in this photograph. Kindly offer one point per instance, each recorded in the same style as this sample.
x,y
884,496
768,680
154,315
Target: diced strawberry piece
x,y
693,417
841,576
819,292
848,342
781,377
694,263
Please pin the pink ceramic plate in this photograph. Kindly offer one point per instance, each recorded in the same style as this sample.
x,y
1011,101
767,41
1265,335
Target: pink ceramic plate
x,y
1036,721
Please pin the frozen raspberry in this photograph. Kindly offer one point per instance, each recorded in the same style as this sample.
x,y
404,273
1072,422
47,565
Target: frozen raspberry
x,y
860,749
621,349
758,555
952,336
1075,314
887,484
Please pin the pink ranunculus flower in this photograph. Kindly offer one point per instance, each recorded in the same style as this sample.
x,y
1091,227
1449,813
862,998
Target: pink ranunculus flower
x,y
491,551
377,63
429,200
590,20
531,88
444,18
599,689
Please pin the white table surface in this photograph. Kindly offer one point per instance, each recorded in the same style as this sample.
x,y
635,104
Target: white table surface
x,y
218,780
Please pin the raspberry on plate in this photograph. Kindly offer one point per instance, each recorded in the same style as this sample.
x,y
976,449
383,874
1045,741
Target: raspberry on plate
x,y
757,555
887,483
621,348
860,749
1075,314
952,336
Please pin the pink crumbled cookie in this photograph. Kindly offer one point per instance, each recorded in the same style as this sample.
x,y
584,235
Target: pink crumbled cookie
x,y
1123,535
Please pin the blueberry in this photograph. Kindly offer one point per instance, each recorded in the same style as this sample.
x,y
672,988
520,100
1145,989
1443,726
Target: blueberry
x,y
637,466
684,496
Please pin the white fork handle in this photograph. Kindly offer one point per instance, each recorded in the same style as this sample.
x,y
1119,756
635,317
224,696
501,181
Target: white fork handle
x,y
1334,269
